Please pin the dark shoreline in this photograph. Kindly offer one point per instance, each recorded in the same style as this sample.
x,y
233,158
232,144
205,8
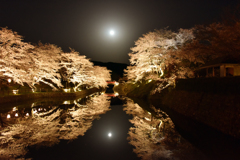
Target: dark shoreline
x,y
31,96
211,101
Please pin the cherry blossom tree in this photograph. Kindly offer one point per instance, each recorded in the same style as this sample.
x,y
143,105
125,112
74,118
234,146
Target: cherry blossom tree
x,y
214,41
80,71
100,76
46,63
46,58
75,68
155,56
15,61
25,63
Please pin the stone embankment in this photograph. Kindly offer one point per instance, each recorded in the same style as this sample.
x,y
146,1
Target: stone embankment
x,y
212,101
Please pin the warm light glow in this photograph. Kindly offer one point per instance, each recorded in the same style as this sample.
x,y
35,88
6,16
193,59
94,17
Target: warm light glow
x,y
148,70
33,90
9,80
34,111
15,91
27,114
14,108
67,90
75,89
161,72
8,116
110,134
16,115
147,119
75,102
66,102
149,80
116,83
160,124
111,32
116,94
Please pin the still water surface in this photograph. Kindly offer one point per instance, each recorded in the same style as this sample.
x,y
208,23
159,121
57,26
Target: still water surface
x,y
94,127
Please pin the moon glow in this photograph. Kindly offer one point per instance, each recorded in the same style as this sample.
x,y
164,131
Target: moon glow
x,y
109,134
111,32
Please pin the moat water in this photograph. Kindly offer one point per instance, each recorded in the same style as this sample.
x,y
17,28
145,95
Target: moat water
x,y
101,126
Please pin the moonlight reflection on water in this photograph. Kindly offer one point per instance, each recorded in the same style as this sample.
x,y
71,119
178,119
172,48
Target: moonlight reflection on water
x,y
73,130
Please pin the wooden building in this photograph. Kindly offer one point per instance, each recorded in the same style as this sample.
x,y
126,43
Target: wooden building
x,y
222,67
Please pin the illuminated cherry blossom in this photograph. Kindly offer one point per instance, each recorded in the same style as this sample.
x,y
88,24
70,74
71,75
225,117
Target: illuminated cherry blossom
x,y
24,63
156,56
15,61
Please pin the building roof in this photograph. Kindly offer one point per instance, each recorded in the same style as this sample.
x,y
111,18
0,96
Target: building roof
x,y
220,61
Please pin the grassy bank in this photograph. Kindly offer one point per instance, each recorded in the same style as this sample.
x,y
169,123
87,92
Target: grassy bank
x,y
37,95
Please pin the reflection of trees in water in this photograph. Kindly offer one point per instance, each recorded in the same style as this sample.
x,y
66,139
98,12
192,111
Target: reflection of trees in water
x,y
149,134
48,129
154,137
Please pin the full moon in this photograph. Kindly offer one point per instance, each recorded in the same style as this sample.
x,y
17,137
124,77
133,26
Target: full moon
x,y
112,32
109,134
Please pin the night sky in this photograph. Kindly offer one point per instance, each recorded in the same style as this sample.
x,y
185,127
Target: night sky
x,y
85,25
